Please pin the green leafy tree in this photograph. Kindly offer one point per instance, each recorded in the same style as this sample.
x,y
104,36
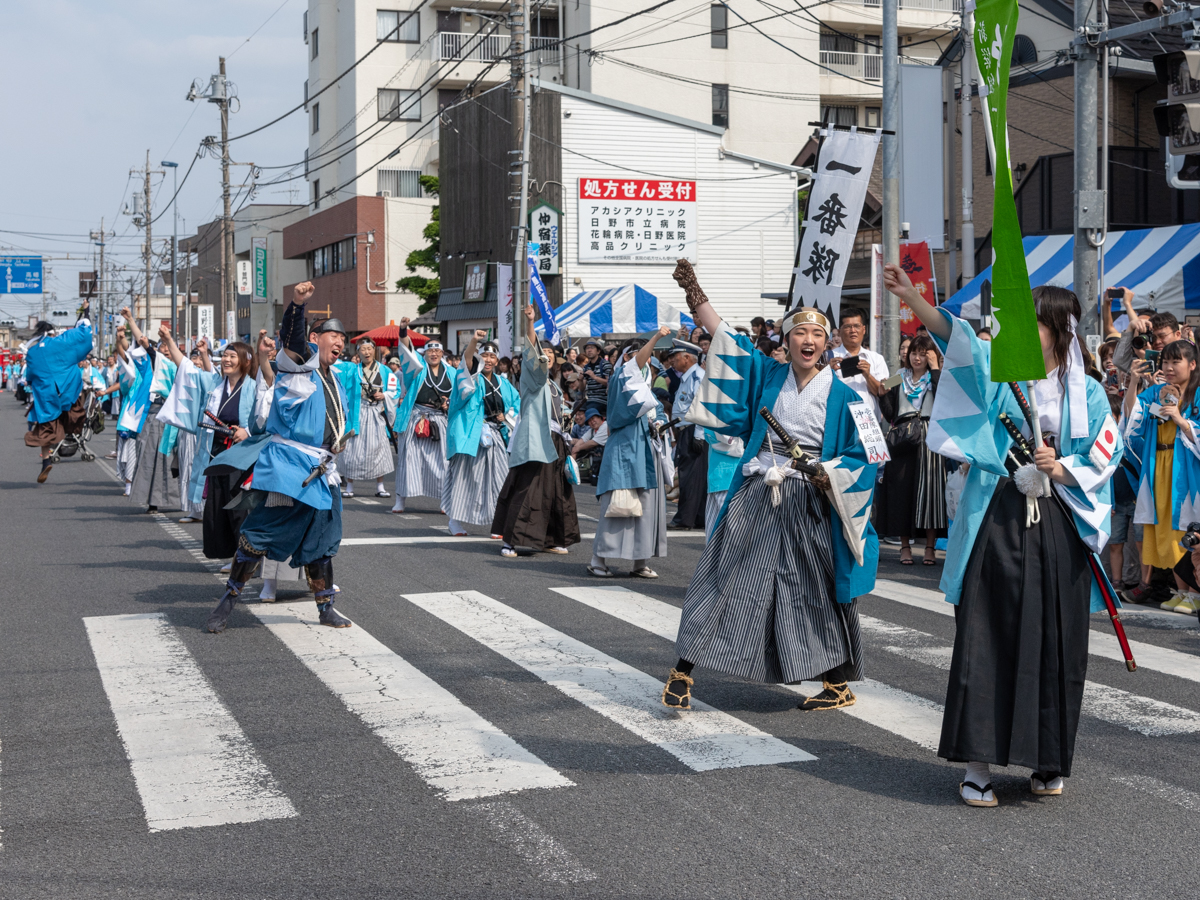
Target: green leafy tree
x,y
428,257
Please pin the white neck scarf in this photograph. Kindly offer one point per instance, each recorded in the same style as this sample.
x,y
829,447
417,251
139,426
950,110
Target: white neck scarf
x,y
1077,387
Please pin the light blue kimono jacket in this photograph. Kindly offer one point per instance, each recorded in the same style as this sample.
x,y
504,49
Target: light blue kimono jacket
x,y
724,458
194,392
628,462
1140,432
965,426
412,375
136,374
350,374
533,441
52,371
465,425
739,380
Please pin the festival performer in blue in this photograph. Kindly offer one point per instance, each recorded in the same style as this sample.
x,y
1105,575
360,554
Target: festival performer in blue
x,y
201,400
136,370
636,468
421,422
153,484
298,511
1161,429
373,391
774,597
1017,565
724,459
53,376
483,410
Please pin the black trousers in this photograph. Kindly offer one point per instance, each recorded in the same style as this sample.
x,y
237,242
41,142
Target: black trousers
x,y
691,458
222,526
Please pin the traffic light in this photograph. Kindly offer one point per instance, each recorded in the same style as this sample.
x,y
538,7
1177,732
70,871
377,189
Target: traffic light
x,y
1183,172
1178,117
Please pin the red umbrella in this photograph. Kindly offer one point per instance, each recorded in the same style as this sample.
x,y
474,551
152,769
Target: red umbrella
x,y
389,335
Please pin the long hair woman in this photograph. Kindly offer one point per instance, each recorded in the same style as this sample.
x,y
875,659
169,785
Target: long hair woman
x,y
1017,566
911,499
1164,447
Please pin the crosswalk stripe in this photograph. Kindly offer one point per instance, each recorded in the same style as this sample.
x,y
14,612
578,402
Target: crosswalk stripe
x,y
549,860
702,739
907,715
1148,656
431,539
191,761
1189,800
1145,715
453,748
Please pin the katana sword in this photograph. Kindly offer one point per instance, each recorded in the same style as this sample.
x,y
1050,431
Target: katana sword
x,y
800,461
1093,561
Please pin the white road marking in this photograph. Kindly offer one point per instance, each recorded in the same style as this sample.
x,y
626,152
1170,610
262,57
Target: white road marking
x,y
1147,656
444,539
366,500
453,748
586,517
702,739
907,715
191,761
190,544
549,859
1162,790
1144,715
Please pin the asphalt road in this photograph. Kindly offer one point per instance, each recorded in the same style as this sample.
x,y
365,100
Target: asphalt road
x,y
500,743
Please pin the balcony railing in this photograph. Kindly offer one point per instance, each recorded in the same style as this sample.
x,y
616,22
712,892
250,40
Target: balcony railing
x,y
946,6
867,66
469,46
546,51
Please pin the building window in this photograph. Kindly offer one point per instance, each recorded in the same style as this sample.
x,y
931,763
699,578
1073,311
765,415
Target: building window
x,y
400,182
400,26
834,42
1024,52
719,17
839,115
720,105
316,193
873,117
333,258
399,106
313,43
316,118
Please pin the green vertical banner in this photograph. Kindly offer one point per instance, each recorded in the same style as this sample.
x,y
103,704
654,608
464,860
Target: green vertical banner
x,y
1016,347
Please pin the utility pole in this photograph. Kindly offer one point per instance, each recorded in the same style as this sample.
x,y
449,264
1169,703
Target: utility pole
x,y
889,332
968,159
1089,202
99,238
174,167
227,289
519,167
149,250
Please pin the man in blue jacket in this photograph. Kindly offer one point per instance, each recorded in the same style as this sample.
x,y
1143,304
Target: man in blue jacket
x,y
55,381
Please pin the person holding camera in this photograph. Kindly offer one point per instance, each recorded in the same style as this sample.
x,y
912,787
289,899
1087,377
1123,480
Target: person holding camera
x,y
1146,331
1161,427
861,369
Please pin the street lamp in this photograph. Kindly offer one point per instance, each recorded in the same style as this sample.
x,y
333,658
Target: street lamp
x,y
174,167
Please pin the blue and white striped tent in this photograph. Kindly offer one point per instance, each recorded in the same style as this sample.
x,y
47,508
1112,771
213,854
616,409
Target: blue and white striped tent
x,y
1160,265
628,309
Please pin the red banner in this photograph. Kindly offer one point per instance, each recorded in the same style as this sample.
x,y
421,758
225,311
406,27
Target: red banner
x,y
917,262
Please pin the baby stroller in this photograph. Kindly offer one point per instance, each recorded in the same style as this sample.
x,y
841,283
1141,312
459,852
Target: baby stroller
x,y
78,434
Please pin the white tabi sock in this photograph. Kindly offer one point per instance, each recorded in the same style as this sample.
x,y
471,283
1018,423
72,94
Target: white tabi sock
x,y
128,487
268,589
981,774
398,506
597,562
454,526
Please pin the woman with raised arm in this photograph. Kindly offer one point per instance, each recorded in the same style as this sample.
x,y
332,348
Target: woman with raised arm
x,y
137,368
774,597
153,484
373,392
1017,563
426,380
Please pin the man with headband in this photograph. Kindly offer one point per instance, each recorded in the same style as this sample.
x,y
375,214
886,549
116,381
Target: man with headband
x,y
773,598
421,420
372,390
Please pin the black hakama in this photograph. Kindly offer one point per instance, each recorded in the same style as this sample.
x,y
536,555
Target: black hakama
x,y
536,508
691,462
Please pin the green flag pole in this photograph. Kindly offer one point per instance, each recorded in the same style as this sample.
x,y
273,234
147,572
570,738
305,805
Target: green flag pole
x,y
1016,346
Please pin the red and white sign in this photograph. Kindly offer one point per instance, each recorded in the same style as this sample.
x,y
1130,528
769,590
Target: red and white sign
x,y
636,220
916,260
1102,451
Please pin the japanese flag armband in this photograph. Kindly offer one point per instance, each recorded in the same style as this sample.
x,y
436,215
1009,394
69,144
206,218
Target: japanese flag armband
x,y
1105,445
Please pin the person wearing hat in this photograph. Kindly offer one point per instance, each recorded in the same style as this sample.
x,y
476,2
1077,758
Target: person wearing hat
x,y
691,453
483,408
421,422
536,507
634,473
773,598
373,392
297,507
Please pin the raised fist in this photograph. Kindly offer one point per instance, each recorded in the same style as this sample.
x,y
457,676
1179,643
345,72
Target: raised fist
x,y
302,292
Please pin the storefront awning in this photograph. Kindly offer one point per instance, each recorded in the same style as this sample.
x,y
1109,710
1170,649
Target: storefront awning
x,y
628,309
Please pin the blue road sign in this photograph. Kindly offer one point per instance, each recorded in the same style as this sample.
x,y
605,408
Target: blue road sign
x,y
20,274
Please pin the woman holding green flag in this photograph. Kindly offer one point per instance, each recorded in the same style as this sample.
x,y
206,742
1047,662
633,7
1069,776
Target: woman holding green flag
x,y
1017,562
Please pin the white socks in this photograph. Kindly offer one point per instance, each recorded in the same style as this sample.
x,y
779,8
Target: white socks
x,y
268,589
455,527
128,487
597,562
979,773
398,506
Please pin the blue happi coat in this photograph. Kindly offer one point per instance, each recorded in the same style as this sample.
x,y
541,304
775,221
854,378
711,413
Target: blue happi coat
x,y
1140,432
412,374
194,392
739,380
465,424
628,461
350,374
136,374
965,425
52,371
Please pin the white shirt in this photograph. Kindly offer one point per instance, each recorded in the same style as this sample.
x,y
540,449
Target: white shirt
x,y
802,415
1048,394
858,383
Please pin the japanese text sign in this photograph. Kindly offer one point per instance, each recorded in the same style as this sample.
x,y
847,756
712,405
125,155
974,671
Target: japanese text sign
x,y
633,220
917,262
545,230
869,432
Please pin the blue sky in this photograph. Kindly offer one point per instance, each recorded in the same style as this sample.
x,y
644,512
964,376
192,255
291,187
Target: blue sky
x,y
90,86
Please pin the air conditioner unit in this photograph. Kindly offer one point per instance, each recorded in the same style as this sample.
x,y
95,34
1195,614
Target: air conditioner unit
x,y
383,194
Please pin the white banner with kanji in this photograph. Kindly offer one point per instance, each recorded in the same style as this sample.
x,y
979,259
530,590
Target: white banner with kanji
x,y
835,204
635,220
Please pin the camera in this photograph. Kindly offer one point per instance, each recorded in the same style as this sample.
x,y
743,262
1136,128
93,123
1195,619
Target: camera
x,y
1192,537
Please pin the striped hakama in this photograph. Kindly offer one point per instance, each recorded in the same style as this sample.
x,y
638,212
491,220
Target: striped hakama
x,y
185,450
153,483
762,604
127,454
421,462
634,538
473,483
368,455
712,509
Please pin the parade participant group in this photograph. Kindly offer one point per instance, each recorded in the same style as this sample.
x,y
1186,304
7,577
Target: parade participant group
x,y
772,450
